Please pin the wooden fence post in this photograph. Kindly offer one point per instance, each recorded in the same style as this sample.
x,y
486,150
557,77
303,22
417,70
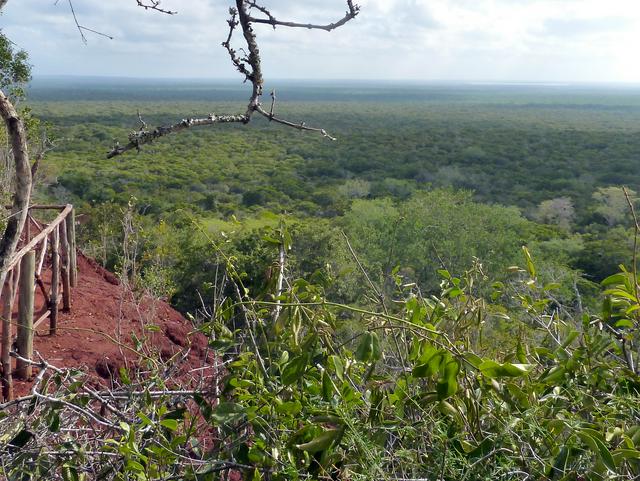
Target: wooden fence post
x,y
66,281
7,310
25,315
71,238
55,281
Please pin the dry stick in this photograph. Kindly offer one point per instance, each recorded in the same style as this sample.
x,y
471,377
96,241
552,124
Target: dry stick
x,y
66,285
19,209
73,254
27,228
43,253
7,310
280,281
142,137
251,325
271,20
43,289
16,283
635,252
55,281
635,239
378,294
25,315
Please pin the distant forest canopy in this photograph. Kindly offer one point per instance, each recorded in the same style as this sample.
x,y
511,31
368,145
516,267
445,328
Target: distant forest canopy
x,y
557,153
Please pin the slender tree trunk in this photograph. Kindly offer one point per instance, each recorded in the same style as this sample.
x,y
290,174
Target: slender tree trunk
x,y
22,195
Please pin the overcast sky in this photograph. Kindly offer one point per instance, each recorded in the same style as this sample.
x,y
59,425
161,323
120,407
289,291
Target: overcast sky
x,y
474,40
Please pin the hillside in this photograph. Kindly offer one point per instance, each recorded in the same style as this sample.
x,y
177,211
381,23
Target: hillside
x,y
106,322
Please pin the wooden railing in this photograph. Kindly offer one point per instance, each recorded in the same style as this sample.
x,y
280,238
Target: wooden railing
x,y
46,254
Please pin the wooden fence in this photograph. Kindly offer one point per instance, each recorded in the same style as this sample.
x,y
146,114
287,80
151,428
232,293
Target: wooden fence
x,y
46,254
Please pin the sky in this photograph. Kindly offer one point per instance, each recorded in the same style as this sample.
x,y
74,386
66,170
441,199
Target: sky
x,y
430,40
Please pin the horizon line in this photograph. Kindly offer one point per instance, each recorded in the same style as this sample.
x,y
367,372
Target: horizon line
x,y
478,82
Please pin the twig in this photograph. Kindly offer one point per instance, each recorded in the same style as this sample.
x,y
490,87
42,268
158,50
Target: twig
x,y
142,137
82,28
636,226
352,12
154,5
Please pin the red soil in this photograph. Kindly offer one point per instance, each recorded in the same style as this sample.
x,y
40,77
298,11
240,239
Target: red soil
x,y
97,335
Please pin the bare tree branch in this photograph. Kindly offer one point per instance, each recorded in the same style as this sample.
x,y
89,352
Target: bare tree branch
x,y
19,209
248,63
271,20
82,28
154,5
142,137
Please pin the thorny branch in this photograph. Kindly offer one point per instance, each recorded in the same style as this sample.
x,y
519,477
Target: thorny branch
x,y
249,63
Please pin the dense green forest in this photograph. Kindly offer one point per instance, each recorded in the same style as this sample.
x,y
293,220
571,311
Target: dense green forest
x,y
469,171
448,291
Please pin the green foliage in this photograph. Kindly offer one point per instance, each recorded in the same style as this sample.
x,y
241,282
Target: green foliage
x,y
439,228
419,350
14,67
418,386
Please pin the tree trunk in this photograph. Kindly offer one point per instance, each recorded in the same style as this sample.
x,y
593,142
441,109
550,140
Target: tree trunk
x,y
22,195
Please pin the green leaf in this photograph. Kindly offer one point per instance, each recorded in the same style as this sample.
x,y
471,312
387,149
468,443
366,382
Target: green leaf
x,y
295,369
531,268
561,461
431,366
472,359
124,376
554,375
338,366
626,454
444,273
289,407
570,338
626,323
171,424
327,387
227,412
321,442
593,440
54,424
257,476
616,279
492,369
21,439
448,384
369,348
69,472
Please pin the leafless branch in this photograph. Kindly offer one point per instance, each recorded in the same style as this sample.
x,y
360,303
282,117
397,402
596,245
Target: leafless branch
x,y
82,28
249,63
351,13
154,5
18,138
142,137
46,145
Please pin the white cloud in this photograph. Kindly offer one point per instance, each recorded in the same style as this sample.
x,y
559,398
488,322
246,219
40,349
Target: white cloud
x,y
588,40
